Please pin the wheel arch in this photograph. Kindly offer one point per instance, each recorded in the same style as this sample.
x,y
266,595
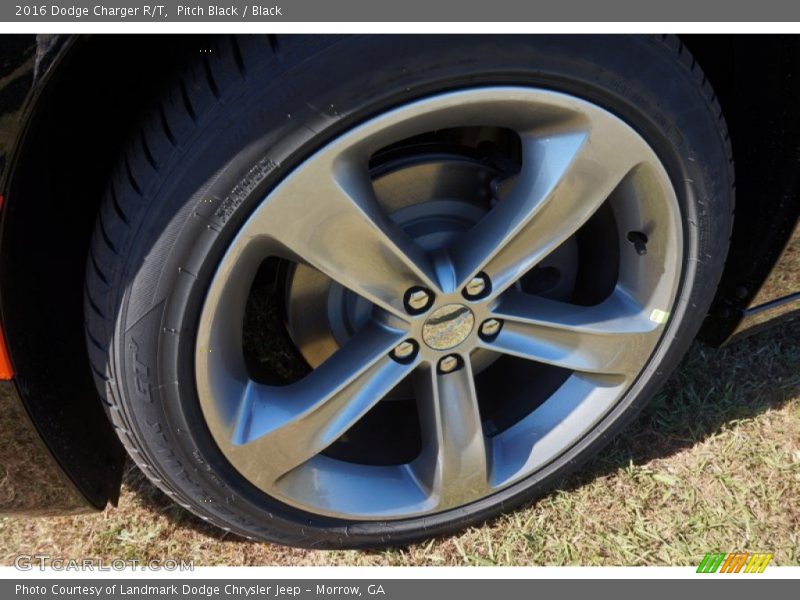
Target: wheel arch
x,y
76,119
757,81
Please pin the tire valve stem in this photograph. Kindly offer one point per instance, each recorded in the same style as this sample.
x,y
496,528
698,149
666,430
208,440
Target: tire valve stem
x,y
639,241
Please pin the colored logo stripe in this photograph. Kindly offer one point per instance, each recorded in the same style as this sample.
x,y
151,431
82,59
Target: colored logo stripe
x,y
735,562
710,563
758,563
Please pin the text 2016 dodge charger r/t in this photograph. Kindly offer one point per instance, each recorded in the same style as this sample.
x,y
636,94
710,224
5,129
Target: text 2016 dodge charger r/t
x,y
357,291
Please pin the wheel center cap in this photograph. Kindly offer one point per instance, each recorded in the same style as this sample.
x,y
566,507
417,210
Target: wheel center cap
x,y
448,326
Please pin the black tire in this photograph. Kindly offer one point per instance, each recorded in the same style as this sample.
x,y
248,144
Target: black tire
x,y
247,114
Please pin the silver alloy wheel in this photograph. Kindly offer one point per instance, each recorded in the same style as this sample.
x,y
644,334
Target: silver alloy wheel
x,y
576,157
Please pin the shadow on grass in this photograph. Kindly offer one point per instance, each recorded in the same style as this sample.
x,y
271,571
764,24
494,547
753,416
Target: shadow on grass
x,y
710,388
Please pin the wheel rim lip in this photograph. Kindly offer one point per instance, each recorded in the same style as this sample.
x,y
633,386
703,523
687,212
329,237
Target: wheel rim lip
x,y
297,493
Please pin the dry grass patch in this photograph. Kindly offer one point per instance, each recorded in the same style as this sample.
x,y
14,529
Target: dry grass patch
x,y
713,464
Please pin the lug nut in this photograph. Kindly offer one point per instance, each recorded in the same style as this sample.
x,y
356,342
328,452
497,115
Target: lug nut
x,y
448,364
404,351
490,328
418,300
477,287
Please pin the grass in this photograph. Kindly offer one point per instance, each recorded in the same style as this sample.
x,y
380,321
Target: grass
x,y
713,464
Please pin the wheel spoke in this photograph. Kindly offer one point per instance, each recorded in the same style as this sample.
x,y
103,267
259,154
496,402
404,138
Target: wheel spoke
x,y
615,337
544,433
281,428
564,179
453,465
329,218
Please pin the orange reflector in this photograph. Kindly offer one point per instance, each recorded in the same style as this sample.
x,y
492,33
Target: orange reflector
x,y
6,370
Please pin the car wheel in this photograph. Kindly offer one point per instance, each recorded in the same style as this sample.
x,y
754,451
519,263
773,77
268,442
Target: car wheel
x,y
360,291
